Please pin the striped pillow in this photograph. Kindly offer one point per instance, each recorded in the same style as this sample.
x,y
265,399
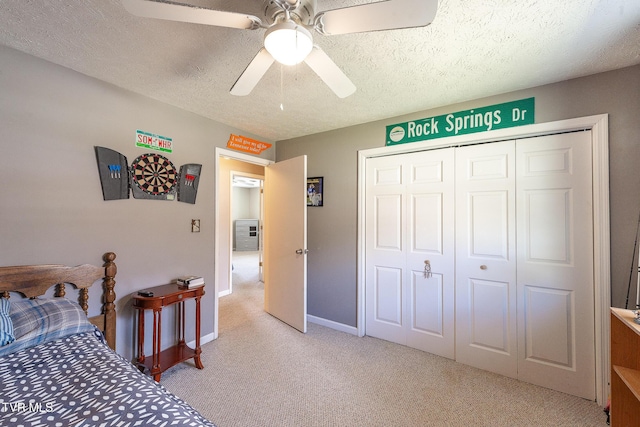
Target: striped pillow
x,y
6,325
39,320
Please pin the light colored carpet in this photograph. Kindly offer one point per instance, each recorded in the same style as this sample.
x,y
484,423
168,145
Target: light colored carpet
x,y
261,372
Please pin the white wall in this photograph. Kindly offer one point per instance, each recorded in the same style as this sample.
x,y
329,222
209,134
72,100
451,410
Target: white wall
x,y
246,203
51,208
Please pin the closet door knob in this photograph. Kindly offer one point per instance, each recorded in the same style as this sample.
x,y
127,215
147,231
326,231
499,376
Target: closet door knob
x,y
483,267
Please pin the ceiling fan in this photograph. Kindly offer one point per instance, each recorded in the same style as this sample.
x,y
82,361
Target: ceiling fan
x,y
289,24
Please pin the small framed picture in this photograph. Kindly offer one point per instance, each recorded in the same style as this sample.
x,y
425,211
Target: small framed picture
x,y
315,191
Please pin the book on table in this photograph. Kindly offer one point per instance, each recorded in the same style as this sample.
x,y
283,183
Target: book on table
x,y
190,281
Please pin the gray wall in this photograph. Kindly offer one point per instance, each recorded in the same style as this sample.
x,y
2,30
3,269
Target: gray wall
x,y
332,228
51,205
51,208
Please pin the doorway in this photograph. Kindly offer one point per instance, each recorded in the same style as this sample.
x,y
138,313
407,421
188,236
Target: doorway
x,y
246,225
226,162
285,235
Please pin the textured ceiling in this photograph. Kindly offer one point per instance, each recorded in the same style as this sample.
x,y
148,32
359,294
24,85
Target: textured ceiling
x,y
471,50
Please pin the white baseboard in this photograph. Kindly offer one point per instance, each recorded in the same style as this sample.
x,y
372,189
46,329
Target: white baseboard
x,y
203,340
224,293
333,325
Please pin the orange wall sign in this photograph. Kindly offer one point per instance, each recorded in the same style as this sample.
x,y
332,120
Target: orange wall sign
x,y
248,145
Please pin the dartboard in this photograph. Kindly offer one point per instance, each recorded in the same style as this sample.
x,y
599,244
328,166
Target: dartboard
x,y
154,174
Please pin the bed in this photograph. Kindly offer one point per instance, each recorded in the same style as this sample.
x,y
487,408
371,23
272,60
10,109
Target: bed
x,y
58,366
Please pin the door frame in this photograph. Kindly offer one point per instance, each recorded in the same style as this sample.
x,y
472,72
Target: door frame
x,y
234,155
599,126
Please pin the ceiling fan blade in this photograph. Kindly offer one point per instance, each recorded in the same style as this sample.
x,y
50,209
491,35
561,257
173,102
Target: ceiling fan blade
x,y
383,15
252,74
172,11
329,72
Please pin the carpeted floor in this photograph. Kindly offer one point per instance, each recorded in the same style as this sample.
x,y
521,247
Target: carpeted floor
x,y
261,372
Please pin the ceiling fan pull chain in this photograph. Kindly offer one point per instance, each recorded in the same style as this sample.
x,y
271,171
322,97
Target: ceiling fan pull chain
x,y
281,87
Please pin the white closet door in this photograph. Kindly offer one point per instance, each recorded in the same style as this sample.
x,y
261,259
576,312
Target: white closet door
x,y
385,246
523,246
486,257
410,244
430,256
555,263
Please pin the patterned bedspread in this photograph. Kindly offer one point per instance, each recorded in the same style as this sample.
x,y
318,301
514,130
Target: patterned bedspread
x,y
79,381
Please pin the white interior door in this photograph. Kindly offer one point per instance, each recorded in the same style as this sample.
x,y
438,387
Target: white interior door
x,y
486,257
285,241
409,250
556,326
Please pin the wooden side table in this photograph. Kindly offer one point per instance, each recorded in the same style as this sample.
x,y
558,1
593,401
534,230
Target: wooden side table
x,y
164,296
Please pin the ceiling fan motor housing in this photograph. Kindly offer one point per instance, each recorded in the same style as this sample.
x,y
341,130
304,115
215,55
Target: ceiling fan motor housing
x,y
301,11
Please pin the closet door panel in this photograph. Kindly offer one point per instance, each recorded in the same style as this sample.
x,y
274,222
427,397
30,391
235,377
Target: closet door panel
x,y
426,228
387,223
387,292
427,293
427,297
430,255
410,250
385,246
489,320
555,263
548,232
485,257
488,224
549,326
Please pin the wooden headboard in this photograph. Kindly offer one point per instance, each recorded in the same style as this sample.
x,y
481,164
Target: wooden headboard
x,y
34,280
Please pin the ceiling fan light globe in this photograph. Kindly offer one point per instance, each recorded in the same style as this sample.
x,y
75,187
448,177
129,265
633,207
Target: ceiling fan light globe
x,y
288,43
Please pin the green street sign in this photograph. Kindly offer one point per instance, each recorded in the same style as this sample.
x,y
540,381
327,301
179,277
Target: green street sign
x,y
499,116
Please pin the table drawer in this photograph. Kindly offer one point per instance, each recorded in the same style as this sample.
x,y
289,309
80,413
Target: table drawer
x,y
172,299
